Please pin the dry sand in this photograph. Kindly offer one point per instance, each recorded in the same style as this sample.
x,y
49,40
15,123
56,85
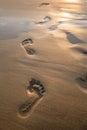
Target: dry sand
x,y
46,41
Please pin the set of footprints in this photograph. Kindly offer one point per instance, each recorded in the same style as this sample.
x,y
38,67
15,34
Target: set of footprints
x,y
34,87
70,37
46,20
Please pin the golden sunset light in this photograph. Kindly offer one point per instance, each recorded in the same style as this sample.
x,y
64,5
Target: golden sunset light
x,y
43,64
71,1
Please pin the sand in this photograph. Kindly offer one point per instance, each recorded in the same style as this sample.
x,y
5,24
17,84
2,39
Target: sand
x,y
44,40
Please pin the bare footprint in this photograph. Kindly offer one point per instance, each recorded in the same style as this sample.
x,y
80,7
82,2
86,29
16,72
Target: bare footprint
x,y
28,41
82,81
36,87
45,20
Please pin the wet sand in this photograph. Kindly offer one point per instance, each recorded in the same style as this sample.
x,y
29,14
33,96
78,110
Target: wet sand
x,y
47,42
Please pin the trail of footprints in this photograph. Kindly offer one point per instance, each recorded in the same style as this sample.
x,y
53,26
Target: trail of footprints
x,y
35,86
26,43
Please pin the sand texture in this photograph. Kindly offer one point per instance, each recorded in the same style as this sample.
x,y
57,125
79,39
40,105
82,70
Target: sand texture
x,y
43,65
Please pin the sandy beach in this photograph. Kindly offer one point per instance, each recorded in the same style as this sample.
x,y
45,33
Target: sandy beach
x,y
43,65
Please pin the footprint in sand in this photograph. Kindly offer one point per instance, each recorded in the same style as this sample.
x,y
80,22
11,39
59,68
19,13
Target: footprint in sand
x,y
45,20
35,86
26,44
82,82
72,38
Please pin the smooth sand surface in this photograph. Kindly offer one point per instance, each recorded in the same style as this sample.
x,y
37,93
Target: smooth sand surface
x,y
56,55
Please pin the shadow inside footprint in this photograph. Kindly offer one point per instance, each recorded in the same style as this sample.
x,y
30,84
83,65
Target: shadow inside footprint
x,y
37,87
44,4
47,18
26,107
30,51
27,41
81,50
72,38
82,81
